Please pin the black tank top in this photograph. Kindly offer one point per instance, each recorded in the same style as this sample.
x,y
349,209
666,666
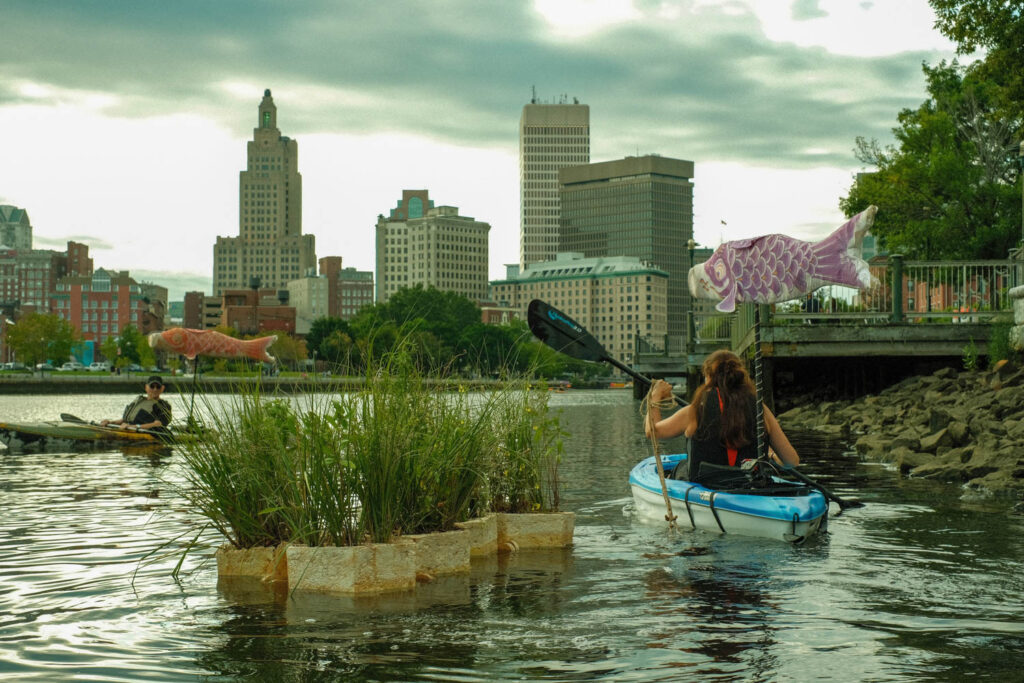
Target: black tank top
x,y
707,446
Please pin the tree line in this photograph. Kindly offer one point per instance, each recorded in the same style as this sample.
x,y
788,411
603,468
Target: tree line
x,y
443,331
949,188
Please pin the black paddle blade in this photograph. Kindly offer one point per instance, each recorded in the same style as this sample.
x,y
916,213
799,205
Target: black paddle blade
x,y
562,333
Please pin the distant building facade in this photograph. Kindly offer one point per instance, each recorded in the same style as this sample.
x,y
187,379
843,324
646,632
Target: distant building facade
x,y
255,311
29,276
100,305
431,247
616,298
309,297
355,290
640,207
551,137
155,317
15,228
270,245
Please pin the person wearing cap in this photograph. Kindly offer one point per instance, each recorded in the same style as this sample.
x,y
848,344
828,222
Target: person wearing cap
x,y
148,411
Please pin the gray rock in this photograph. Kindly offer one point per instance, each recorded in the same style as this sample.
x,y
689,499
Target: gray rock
x,y
906,459
940,438
959,432
908,439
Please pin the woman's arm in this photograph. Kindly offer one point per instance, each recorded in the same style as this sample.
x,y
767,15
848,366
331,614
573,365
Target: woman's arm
x,y
780,443
673,425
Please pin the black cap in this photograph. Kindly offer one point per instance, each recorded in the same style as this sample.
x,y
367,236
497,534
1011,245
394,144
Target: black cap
x,y
155,378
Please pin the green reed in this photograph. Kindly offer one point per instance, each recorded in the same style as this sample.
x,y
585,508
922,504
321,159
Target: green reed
x,y
395,456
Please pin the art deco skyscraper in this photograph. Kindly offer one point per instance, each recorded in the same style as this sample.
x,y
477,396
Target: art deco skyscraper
x,y
551,136
270,244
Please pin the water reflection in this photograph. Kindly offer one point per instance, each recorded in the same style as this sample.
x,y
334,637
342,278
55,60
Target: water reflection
x,y
918,585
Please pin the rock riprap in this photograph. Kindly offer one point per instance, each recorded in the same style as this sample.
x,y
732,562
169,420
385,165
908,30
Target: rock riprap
x,y
957,427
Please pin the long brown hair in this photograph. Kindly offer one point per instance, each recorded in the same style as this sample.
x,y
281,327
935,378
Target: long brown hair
x,y
729,376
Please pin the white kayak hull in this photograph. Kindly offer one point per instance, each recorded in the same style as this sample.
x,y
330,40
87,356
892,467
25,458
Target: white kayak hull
x,y
792,517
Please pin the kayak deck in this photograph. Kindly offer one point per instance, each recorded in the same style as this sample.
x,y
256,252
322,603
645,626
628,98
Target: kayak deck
x,y
789,512
59,433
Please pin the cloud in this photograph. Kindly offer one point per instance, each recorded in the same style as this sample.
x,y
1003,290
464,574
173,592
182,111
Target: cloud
x,y
693,85
61,243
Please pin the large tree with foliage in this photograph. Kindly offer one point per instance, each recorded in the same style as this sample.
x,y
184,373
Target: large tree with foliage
x,y
39,337
948,188
997,27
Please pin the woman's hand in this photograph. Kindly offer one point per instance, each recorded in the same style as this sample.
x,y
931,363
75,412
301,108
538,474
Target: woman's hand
x,y
660,391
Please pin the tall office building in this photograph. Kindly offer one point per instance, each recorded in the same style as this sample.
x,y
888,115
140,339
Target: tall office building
x,y
637,206
419,244
270,244
551,137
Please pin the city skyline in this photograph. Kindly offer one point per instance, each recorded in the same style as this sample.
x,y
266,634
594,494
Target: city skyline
x,y
126,130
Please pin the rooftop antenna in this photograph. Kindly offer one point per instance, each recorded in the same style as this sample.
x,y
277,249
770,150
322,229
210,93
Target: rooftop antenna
x,y
533,100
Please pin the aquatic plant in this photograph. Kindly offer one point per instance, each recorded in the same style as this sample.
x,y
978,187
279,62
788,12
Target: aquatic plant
x,y
400,454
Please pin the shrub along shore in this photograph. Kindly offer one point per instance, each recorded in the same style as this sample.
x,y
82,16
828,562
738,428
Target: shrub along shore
x,y
963,428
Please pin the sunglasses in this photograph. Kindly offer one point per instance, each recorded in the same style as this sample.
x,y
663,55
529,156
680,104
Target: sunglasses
x,y
154,385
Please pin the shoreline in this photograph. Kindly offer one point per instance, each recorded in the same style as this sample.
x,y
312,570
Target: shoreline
x,y
182,384
963,428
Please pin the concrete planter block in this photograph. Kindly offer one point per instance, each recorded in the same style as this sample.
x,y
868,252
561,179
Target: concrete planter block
x,y
441,553
483,535
535,530
375,568
1017,338
266,564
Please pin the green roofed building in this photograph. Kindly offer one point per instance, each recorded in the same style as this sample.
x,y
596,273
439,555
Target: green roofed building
x,y
616,298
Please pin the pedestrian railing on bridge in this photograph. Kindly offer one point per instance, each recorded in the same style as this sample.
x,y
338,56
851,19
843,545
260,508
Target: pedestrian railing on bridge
x,y
921,292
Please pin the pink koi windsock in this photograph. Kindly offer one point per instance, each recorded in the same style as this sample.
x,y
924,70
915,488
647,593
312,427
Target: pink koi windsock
x,y
776,268
192,343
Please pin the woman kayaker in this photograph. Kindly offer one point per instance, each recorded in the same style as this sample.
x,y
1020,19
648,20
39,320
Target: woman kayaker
x,y
721,421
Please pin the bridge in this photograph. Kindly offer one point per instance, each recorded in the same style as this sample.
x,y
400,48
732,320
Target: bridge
x,y
917,313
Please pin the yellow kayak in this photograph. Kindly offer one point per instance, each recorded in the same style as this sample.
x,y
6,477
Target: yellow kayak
x,y
59,433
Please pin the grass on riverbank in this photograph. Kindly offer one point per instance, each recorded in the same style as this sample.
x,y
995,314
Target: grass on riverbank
x,y
393,456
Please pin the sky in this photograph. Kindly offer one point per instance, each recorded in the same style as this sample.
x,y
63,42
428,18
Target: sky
x,y
124,124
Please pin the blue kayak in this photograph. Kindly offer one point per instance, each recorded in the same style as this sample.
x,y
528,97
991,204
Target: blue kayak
x,y
786,511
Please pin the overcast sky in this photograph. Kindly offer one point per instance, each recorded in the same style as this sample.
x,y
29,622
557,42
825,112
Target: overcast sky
x,y
123,124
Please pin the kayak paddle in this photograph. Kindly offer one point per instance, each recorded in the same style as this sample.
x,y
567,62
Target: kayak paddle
x,y
564,334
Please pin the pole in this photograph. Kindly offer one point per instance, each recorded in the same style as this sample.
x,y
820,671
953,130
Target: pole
x,y
762,441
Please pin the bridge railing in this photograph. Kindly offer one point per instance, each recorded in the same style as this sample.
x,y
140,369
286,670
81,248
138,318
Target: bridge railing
x,y
903,291
912,291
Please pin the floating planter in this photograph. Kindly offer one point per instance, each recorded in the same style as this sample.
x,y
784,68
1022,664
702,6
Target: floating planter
x,y
535,530
373,568
483,535
266,564
441,553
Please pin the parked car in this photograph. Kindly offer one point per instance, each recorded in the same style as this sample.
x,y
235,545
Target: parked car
x,y
14,366
134,367
45,366
71,366
102,366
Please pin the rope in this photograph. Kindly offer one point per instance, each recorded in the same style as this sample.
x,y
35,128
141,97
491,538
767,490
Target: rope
x,y
669,516
762,440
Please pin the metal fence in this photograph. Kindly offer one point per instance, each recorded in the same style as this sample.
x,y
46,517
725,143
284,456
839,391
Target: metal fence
x,y
939,292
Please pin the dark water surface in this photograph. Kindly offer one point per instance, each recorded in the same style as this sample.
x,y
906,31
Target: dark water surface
x,y
918,585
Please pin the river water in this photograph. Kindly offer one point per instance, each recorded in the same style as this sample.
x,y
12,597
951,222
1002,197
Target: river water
x,y
918,585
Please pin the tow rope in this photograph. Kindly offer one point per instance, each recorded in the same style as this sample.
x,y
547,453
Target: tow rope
x,y
669,516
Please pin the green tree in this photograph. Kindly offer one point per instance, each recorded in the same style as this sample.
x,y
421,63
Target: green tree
x,y
288,350
947,189
128,343
38,337
997,27
323,329
489,349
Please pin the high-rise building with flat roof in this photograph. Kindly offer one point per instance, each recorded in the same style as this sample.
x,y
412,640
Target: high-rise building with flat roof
x,y
640,207
551,137
270,244
431,246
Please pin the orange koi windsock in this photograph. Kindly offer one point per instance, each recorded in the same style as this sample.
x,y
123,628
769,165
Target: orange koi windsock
x,y
192,343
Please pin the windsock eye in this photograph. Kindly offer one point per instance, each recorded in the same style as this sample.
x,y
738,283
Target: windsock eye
x,y
720,271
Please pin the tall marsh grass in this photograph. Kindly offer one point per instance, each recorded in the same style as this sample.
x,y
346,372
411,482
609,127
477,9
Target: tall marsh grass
x,y
397,456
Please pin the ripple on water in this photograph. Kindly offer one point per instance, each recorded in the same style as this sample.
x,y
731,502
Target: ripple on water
x,y
917,585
